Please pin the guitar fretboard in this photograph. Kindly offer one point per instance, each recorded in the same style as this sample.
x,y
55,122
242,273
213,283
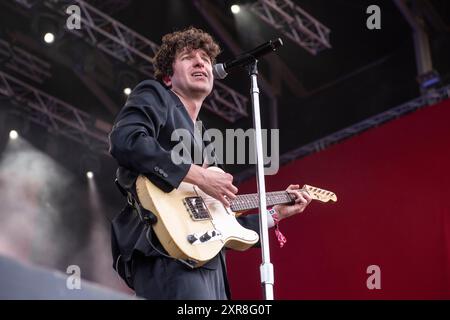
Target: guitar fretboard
x,y
251,201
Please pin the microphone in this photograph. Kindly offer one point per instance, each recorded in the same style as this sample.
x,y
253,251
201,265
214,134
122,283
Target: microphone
x,y
220,70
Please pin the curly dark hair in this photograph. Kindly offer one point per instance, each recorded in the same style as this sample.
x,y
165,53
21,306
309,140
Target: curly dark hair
x,y
172,43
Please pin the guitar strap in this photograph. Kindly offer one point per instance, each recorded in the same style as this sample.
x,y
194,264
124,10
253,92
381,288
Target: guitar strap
x,y
125,183
147,217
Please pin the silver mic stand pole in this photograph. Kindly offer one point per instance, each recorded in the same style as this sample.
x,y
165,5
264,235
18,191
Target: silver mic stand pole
x,y
266,268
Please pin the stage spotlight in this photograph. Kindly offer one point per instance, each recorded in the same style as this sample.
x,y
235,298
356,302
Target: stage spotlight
x,y
127,91
49,37
13,134
126,80
47,26
235,8
89,165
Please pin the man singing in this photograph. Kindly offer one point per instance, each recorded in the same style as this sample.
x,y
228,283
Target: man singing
x,y
141,143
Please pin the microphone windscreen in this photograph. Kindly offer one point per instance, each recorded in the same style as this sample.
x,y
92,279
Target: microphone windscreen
x,y
219,71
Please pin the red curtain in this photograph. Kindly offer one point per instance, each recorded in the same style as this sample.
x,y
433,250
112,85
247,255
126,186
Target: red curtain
x,y
393,211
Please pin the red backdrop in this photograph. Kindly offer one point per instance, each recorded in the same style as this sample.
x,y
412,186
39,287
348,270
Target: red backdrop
x,y
393,189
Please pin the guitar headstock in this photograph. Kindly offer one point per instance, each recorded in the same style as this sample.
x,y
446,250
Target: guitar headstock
x,y
320,194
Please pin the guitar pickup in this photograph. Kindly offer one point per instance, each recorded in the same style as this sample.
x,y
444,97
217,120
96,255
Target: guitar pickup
x,y
197,208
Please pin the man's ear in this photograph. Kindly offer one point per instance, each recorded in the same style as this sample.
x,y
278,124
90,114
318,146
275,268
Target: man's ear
x,y
167,81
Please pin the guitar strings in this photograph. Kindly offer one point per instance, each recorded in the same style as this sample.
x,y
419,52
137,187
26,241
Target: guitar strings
x,y
274,194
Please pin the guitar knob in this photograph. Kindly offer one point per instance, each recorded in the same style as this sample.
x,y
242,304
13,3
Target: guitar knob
x,y
205,237
191,238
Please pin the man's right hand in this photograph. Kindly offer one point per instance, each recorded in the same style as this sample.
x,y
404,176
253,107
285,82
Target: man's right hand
x,y
217,184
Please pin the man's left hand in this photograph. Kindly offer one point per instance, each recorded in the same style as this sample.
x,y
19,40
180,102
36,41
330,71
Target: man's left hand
x,y
302,200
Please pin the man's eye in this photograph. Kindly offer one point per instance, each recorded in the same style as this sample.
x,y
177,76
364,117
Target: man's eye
x,y
206,59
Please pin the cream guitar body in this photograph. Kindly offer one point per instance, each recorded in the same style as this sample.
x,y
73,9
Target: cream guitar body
x,y
193,226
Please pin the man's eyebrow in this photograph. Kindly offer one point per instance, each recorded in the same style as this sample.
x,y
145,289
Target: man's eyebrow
x,y
190,52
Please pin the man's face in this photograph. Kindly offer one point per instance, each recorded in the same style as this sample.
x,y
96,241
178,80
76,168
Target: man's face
x,y
192,73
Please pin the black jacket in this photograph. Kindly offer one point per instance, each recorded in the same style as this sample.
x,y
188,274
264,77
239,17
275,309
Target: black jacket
x,y
141,143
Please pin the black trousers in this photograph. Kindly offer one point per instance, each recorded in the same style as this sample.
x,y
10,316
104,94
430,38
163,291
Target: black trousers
x,y
161,278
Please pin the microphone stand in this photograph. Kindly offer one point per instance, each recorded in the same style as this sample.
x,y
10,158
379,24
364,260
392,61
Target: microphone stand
x,y
266,268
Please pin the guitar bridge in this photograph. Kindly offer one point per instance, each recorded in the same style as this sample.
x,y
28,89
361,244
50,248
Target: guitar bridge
x,y
197,208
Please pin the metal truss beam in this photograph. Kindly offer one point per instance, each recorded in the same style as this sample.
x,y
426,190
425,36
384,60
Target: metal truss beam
x,y
294,22
424,62
130,47
110,6
421,41
109,35
429,99
23,62
224,96
54,114
26,3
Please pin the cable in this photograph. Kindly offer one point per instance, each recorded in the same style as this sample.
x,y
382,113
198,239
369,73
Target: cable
x,y
162,253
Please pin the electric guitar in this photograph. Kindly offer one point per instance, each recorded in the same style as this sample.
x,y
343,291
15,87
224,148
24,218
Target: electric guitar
x,y
193,226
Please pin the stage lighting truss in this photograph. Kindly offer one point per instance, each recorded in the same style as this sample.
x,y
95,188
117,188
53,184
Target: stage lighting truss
x,y
430,98
57,116
224,96
110,6
23,62
130,47
295,23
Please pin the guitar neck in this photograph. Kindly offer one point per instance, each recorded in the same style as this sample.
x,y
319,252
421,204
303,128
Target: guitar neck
x,y
251,201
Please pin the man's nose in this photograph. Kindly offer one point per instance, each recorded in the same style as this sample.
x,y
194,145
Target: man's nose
x,y
198,61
